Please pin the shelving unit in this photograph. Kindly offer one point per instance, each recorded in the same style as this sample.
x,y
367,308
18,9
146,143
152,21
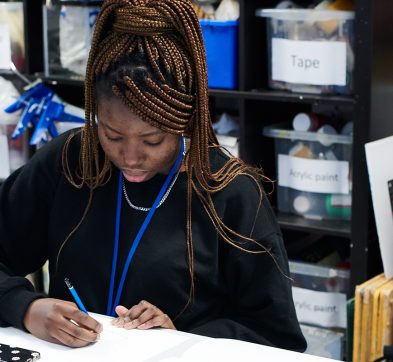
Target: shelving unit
x,y
258,106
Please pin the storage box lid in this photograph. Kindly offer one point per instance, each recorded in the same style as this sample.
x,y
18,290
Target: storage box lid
x,y
282,131
305,14
212,22
317,270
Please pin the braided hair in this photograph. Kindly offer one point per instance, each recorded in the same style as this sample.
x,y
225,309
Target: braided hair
x,y
151,55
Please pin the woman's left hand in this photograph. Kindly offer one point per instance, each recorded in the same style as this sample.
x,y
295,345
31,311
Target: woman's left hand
x,y
144,315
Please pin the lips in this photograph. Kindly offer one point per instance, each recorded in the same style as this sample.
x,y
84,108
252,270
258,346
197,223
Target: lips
x,y
136,175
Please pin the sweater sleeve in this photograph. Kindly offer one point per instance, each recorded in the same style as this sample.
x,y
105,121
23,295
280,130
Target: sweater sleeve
x,y
259,288
25,203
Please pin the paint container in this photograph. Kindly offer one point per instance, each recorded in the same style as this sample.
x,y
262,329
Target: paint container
x,y
306,122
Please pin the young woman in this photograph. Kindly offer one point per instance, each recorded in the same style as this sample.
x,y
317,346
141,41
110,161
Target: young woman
x,y
141,210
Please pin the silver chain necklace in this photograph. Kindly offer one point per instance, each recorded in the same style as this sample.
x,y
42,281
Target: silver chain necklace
x,y
140,208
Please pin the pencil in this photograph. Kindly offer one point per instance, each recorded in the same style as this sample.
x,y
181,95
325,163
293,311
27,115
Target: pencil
x,y
75,296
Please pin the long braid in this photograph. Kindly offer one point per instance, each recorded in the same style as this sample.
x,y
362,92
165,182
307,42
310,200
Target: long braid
x,y
172,96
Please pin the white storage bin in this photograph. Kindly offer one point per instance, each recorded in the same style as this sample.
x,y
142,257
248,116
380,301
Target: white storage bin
x,y
320,294
314,173
310,50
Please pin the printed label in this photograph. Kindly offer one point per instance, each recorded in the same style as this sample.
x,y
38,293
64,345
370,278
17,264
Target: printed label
x,y
309,62
5,47
4,158
322,176
325,309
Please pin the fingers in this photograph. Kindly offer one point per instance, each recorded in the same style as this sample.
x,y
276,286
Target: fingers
x,y
82,319
78,335
128,315
161,320
62,322
77,329
121,311
144,315
70,339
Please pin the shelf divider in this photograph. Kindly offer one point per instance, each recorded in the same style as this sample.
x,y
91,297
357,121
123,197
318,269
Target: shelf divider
x,y
340,228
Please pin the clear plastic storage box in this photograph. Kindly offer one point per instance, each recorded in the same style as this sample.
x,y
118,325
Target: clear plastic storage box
x,y
320,294
323,342
314,173
319,278
68,29
12,39
301,45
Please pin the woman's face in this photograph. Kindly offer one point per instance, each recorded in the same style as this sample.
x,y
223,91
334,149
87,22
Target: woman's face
x,y
132,145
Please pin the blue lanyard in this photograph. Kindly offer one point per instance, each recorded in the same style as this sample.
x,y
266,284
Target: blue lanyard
x,y
111,305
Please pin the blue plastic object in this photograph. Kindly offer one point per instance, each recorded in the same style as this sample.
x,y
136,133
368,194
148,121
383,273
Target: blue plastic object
x,y
41,108
221,42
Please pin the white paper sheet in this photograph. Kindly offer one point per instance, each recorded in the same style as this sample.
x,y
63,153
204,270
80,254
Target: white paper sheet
x,y
380,171
158,345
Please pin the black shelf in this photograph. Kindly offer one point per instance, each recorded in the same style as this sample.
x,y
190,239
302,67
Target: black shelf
x,y
78,2
285,96
262,95
225,93
75,80
341,228
256,106
258,94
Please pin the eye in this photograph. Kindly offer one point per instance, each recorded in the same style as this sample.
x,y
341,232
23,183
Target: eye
x,y
155,143
113,139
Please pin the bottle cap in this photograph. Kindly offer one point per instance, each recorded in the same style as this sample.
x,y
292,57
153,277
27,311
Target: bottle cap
x,y
326,129
347,129
306,122
301,204
338,206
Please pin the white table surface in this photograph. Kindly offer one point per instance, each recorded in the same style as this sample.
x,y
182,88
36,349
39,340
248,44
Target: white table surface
x,y
118,344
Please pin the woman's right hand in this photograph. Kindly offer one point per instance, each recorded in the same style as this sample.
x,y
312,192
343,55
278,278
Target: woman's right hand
x,y
61,322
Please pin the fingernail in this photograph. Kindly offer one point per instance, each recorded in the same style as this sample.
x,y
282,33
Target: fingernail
x,y
143,325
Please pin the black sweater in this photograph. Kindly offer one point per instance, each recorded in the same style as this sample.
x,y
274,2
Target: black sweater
x,y
237,294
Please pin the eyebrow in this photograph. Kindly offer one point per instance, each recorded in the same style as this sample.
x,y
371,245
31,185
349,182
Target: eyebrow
x,y
145,134
109,127
153,132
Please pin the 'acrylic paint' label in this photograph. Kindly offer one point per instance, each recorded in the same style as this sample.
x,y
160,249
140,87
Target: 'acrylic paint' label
x,y
325,309
322,176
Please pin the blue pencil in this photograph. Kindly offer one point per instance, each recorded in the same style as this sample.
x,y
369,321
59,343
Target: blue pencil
x,y
75,296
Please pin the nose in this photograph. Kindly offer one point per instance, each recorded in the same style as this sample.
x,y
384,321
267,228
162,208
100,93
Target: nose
x,y
132,156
